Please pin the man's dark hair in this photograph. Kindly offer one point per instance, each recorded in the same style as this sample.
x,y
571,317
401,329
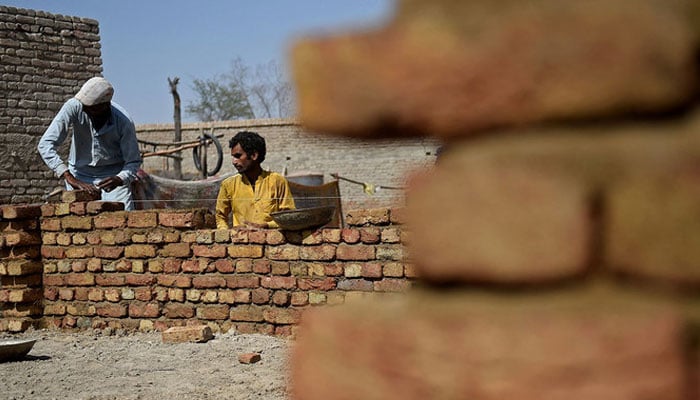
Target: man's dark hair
x,y
251,143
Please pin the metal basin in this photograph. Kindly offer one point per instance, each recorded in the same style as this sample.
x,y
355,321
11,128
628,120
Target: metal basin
x,y
15,349
303,218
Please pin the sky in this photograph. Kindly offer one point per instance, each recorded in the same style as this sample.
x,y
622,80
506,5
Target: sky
x,y
146,41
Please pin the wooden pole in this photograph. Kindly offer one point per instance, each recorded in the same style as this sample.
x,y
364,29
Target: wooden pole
x,y
177,165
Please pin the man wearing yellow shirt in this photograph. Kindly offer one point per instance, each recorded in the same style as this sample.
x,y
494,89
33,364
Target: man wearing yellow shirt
x,y
254,193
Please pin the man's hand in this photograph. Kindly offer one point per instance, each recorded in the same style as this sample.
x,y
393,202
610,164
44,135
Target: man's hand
x,y
255,225
109,184
80,185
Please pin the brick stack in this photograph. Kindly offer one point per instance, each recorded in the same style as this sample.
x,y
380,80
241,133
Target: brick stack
x,y
20,268
557,237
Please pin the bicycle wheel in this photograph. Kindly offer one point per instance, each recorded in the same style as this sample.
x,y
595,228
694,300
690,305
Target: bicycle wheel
x,y
213,153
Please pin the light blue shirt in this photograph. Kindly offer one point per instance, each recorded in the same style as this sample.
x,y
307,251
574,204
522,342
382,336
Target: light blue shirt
x,y
112,150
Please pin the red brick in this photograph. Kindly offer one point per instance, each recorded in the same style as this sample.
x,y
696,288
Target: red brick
x,y
215,312
370,235
224,266
53,252
80,279
183,219
176,250
350,235
53,280
180,281
371,270
140,280
280,298
142,219
299,299
317,284
247,313
392,285
110,252
140,251
211,251
76,223
279,282
333,269
111,310
245,251
257,236
283,252
50,224
279,268
172,265
262,266
110,280
282,315
20,267
144,310
275,237
509,348
324,252
355,252
143,293
22,238
201,282
360,285
79,252
24,295
260,296
113,220
184,334
54,309
47,210
78,208
242,281
173,310
194,266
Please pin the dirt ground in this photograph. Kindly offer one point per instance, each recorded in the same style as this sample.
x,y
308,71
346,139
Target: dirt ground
x,y
114,365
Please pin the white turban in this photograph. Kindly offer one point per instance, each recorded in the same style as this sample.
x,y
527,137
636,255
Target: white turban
x,y
95,91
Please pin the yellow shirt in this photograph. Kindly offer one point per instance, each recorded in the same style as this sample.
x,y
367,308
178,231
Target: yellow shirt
x,y
236,194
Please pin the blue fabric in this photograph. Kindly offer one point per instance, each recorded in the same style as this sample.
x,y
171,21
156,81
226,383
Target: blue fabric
x,y
113,150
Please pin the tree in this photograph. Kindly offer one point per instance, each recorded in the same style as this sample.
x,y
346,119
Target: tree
x,y
240,94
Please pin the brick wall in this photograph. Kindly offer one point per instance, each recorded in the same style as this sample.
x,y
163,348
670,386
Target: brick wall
x,y
159,268
44,58
380,163
556,242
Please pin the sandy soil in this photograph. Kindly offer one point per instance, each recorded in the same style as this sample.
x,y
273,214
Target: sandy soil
x,y
113,365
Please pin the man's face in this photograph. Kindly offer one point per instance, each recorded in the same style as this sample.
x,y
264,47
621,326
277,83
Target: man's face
x,y
101,110
242,160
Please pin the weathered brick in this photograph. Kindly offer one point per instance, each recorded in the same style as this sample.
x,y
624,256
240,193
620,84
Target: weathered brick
x,y
109,280
356,285
183,219
277,315
275,237
140,280
140,251
248,313
76,223
80,279
279,282
184,334
249,358
392,285
208,282
50,224
260,296
78,208
194,266
144,310
20,267
371,270
109,252
53,252
245,251
281,298
173,310
213,312
79,252
22,238
112,220
316,283
181,281
211,251
24,295
142,219
283,252
242,281
111,310
224,266
176,250
355,252
324,252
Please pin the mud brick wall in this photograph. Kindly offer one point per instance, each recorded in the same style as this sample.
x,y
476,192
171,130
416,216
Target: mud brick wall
x,y
44,58
20,268
161,268
381,163
556,241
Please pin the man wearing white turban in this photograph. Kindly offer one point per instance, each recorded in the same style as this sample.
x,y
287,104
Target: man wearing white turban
x,y
104,153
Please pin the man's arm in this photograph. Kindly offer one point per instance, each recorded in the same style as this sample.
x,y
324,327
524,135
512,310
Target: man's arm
x,y
54,136
130,151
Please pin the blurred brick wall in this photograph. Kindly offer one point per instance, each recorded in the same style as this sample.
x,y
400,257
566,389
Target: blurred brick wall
x,y
556,241
44,59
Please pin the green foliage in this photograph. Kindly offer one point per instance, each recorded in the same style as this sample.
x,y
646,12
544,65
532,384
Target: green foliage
x,y
220,98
